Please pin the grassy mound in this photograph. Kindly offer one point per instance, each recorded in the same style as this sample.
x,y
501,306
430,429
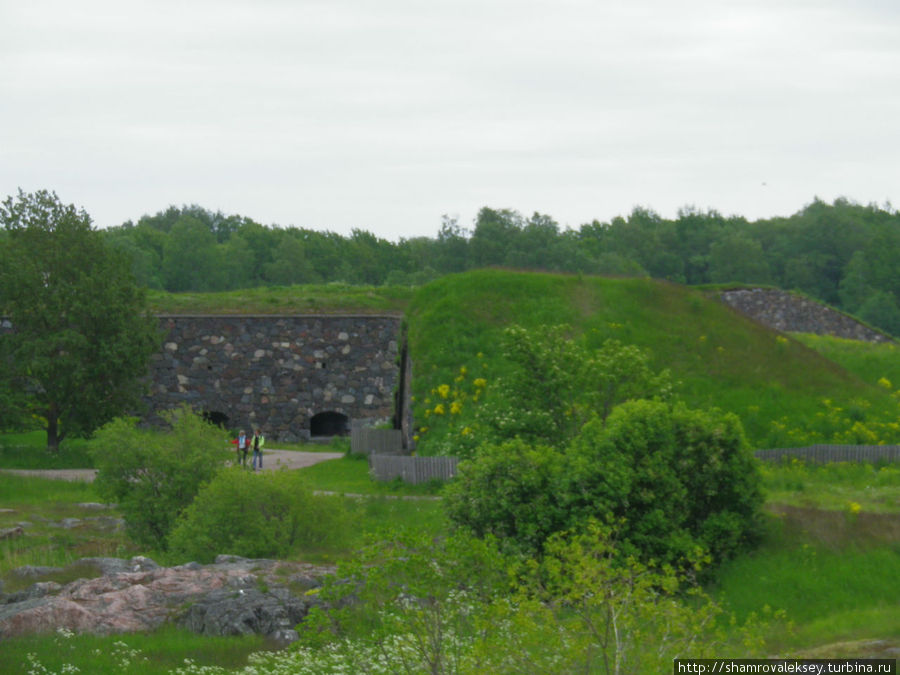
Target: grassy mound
x,y
785,392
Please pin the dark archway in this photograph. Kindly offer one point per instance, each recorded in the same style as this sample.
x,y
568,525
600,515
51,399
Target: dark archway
x,y
220,419
329,424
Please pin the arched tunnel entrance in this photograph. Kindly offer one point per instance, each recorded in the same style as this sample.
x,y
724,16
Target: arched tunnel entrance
x,y
329,423
220,419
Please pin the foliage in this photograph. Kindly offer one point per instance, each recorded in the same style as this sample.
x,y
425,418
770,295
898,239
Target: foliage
x,y
682,481
552,384
448,607
270,514
556,384
513,491
154,477
409,583
617,614
81,335
689,479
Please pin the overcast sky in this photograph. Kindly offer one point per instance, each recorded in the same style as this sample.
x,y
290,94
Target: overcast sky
x,y
385,115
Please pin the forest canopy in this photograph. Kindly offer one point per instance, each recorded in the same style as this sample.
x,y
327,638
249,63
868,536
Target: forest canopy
x,y
840,253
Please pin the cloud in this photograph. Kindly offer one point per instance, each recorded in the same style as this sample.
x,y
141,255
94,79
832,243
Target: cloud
x,y
386,115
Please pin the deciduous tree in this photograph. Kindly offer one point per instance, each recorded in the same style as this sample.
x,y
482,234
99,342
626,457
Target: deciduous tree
x,y
82,336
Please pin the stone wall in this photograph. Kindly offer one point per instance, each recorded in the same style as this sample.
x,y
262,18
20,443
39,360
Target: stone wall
x,y
278,372
793,313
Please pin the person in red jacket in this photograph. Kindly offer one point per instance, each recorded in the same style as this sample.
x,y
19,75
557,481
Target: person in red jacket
x,y
243,447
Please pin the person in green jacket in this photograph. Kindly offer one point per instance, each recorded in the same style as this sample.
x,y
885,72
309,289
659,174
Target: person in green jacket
x,y
257,444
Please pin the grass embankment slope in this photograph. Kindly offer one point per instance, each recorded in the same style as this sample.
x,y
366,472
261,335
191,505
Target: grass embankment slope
x,y
300,299
719,357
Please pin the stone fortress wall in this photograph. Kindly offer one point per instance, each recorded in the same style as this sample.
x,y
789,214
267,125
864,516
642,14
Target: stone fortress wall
x,y
793,313
292,376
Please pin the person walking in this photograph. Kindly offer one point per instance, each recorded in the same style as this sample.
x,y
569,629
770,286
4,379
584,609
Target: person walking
x,y
243,445
257,443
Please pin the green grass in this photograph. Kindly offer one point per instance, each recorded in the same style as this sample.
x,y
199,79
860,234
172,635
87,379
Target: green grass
x,y
832,586
837,580
332,298
870,362
28,450
350,475
834,570
842,486
718,357
156,653
44,505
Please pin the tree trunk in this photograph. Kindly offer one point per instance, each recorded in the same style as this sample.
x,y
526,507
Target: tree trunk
x,y
53,438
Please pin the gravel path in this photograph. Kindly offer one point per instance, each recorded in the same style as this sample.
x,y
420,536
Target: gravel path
x,y
272,460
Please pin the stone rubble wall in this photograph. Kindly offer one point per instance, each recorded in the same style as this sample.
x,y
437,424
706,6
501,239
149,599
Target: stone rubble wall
x,y
792,313
277,372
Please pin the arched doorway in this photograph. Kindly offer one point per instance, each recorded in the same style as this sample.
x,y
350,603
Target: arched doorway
x,y
220,419
329,423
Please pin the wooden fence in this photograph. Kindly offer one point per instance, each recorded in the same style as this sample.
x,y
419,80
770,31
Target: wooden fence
x,y
835,453
368,441
413,470
387,467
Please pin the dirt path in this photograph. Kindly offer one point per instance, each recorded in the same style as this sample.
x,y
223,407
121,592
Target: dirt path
x,y
272,460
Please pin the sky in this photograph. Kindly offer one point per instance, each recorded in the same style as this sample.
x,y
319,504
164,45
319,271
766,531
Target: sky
x,y
388,115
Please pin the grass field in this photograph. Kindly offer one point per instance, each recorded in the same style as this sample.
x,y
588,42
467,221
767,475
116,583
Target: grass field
x,y
832,567
831,557
334,298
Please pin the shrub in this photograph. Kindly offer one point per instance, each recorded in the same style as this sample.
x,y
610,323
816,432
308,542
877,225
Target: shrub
x,y
682,479
681,482
256,515
511,491
154,476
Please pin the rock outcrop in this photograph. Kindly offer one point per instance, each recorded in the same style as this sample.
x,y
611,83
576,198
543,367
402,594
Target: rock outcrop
x,y
233,596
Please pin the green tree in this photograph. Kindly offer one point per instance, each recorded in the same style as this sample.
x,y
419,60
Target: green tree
x,y
290,264
737,257
554,384
270,514
82,336
191,260
880,309
449,606
494,237
154,476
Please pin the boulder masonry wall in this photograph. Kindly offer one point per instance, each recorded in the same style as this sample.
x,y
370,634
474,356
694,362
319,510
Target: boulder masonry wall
x,y
294,377
793,313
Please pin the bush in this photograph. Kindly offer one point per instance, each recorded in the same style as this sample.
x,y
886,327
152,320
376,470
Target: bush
x,y
154,476
681,482
680,479
512,492
257,515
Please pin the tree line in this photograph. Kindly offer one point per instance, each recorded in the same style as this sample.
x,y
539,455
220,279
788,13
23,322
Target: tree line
x,y
841,253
